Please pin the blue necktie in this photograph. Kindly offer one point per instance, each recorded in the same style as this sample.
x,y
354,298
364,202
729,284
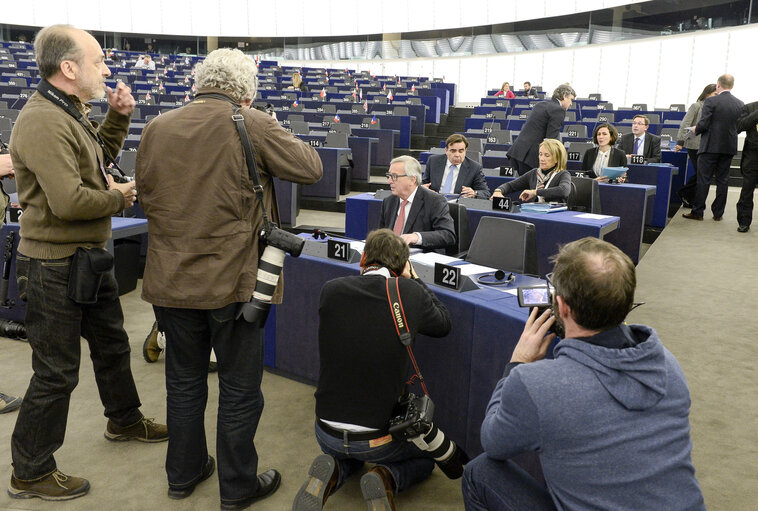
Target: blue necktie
x,y
636,145
448,186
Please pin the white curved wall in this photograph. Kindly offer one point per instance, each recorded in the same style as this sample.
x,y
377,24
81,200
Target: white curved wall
x,y
658,71
287,18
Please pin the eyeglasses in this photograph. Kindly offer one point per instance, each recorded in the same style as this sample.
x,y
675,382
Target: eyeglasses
x,y
639,123
395,177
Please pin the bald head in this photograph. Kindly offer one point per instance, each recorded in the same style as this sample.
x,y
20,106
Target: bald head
x,y
53,45
726,81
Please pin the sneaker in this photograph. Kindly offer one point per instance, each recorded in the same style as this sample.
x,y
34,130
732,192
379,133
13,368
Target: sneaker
x,y
9,403
321,481
183,493
377,486
268,483
144,430
151,350
54,486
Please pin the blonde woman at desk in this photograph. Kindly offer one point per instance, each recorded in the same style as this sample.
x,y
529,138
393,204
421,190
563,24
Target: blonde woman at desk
x,y
547,183
605,154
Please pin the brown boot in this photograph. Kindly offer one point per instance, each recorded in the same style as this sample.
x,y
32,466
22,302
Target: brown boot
x,y
150,348
323,476
378,487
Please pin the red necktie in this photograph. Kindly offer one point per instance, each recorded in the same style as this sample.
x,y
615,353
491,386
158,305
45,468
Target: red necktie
x,y
400,219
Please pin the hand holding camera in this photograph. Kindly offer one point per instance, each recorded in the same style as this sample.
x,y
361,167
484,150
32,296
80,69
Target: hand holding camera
x,y
535,339
128,190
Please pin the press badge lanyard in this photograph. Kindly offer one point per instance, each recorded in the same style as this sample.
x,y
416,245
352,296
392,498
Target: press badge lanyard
x,y
59,98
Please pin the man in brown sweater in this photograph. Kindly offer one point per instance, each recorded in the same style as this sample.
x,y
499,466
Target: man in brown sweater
x,y
68,199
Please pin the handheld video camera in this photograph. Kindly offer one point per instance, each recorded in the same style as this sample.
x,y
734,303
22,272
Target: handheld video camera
x,y
535,296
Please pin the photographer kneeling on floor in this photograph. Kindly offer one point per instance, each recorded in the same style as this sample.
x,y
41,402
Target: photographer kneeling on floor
x,y
365,363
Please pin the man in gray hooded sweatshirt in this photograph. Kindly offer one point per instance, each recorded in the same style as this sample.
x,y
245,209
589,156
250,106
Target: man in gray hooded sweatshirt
x,y
608,417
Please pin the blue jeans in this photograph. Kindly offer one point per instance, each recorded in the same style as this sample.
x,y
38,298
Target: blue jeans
x,y
190,334
502,485
54,326
408,464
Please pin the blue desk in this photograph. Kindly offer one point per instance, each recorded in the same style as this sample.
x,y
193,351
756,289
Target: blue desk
x,y
361,152
627,201
328,187
660,175
363,214
401,124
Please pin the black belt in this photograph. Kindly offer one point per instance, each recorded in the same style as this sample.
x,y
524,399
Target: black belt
x,y
351,435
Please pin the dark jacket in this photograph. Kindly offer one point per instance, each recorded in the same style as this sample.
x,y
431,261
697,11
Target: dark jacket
x,y
61,188
469,174
617,158
749,124
363,365
545,121
196,192
718,124
651,150
558,190
429,216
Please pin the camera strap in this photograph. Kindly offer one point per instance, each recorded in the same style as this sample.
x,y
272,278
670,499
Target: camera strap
x,y
58,97
401,326
252,167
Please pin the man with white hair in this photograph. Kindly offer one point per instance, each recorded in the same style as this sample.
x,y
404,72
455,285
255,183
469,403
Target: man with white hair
x,y
202,264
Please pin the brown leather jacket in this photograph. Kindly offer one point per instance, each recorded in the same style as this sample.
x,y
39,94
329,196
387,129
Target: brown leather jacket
x,y
203,218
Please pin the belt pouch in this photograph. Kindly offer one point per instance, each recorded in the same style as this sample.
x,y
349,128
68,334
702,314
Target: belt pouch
x,y
88,266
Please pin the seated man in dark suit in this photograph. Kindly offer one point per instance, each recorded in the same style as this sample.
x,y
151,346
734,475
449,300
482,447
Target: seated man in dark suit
x,y
421,217
639,141
453,172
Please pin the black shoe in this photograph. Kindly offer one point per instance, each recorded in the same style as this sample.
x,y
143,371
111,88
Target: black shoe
x,y
743,228
268,483
183,493
718,218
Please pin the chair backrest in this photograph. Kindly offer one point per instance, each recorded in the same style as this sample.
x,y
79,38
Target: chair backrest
x,y
437,150
329,108
299,127
505,244
603,117
579,147
367,120
336,140
580,129
5,124
475,156
570,116
499,114
414,101
400,110
342,127
639,106
475,144
653,118
296,118
127,161
460,226
677,107
585,195
502,136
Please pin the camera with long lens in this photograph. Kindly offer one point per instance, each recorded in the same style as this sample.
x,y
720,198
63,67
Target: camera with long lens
x,y
413,423
278,243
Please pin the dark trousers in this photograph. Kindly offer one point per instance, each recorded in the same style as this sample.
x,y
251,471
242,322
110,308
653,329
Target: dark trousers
x,y
745,204
55,325
190,334
502,485
708,166
521,166
688,191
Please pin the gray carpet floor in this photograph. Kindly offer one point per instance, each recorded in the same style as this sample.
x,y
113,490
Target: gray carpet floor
x,y
699,284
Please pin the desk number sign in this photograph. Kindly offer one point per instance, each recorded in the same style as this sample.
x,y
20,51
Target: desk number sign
x,y
315,143
487,129
501,203
574,156
447,276
339,250
320,109
492,140
572,133
580,174
506,171
602,118
326,124
364,125
638,159
522,116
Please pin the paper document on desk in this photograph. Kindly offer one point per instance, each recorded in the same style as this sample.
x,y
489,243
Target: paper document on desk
x,y
429,258
592,216
358,246
474,269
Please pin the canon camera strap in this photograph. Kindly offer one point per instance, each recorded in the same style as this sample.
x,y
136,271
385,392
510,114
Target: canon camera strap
x,y
59,98
401,325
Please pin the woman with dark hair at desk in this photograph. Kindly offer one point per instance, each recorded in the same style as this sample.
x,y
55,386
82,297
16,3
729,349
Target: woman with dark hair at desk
x,y
506,91
605,154
686,140
547,183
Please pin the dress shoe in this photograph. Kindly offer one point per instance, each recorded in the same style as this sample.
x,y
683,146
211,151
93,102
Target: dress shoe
x,y
151,350
322,478
268,483
717,218
743,228
183,493
690,216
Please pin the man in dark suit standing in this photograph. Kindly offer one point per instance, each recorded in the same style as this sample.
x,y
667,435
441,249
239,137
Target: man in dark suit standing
x,y
453,172
718,144
748,165
639,141
419,216
545,121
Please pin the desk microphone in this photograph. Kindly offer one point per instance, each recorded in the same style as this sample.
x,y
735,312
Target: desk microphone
x,y
322,234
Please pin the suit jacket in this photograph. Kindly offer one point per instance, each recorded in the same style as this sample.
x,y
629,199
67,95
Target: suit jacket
x,y
469,174
747,123
429,216
545,121
718,124
617,158
651,150
558,190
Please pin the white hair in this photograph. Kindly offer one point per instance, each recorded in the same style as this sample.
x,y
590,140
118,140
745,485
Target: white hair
x,y
229,70
412,167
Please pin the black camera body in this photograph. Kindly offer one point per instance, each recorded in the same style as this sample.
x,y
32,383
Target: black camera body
x,y
414,417
118,177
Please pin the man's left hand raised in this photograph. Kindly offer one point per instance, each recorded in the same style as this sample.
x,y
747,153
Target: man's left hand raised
x,y
534,341
121,100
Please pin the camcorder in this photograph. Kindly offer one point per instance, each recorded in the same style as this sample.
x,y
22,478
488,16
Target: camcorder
x,y
542,298
278,243
413,423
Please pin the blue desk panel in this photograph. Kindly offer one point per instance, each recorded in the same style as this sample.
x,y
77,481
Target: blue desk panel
x,y
659,175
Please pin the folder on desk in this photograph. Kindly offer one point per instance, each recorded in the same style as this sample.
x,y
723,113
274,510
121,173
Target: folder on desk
x,y
543,207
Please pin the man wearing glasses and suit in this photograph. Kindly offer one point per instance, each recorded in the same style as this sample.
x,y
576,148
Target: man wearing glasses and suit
x,y
418,215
